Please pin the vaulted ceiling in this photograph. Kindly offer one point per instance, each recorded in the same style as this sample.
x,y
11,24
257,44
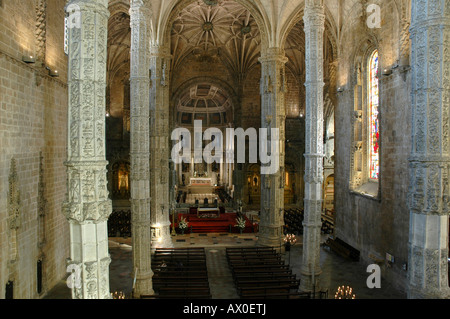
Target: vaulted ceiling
x,y
226,29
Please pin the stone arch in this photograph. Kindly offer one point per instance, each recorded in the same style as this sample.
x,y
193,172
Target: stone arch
x,y
118,6
330,35
356,17
202,79
364,48
330,27
358,88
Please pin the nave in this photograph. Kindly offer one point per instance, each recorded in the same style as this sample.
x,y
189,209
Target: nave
x,y
337,271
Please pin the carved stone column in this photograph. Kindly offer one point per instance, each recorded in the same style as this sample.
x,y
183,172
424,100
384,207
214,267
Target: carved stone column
x,y
140,147
430,157
314,19
159,146
273,116
41,29
87,206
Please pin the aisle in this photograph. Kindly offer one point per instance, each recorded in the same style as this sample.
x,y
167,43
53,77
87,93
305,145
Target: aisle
x,y
336,270
219,274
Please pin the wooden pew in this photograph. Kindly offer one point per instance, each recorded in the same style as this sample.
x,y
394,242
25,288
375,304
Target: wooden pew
x,y
173,279
176,258
286,295
180,274
252,255
170,263
247,250
260,273
257,268
268,263
179,284
293,284
179,269
179,263
242,273
254,277
190,250
253,259
343,249
263,290
180,251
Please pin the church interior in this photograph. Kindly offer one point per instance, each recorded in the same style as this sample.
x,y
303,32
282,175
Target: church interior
x,y
94,204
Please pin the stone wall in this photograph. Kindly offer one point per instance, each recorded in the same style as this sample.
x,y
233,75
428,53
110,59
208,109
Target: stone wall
x,y
378,224
33,115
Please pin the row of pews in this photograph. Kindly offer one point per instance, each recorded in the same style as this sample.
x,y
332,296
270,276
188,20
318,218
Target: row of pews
x,y
259,273
119,224
328,222
180,273
293,221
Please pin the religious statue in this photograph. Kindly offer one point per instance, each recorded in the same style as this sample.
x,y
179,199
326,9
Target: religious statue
x,y
123,179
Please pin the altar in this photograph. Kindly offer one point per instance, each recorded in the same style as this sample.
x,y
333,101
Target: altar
x,y
201,181
208,212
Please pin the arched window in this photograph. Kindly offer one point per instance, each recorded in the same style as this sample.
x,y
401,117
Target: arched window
x,y
365,156
374,128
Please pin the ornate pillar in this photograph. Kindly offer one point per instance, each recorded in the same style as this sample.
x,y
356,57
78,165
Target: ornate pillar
x,y
87,206
314,19
273,116
41,29
159,146
430,157
140,148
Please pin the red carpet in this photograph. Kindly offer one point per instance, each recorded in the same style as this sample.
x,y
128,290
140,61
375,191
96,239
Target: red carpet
x,y
219,224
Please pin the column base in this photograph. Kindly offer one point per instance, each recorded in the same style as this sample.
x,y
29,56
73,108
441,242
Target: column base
x,y
415,293
306,282
270,237
144,286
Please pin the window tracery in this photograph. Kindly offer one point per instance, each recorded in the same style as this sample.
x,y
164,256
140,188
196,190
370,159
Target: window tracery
x,y
374,128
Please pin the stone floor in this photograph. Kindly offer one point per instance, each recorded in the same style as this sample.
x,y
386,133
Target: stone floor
x,y
336,270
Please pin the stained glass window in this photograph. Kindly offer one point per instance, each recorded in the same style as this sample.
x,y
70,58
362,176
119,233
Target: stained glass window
x,y
374,128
